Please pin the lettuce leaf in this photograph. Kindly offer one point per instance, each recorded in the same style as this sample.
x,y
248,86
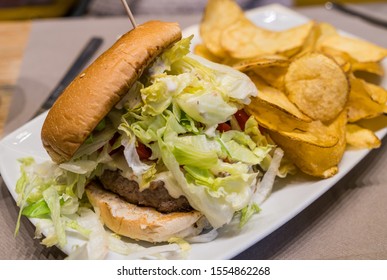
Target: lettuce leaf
x,y
174,110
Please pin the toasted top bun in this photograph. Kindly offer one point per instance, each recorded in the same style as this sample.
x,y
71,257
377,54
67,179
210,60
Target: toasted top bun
x,y
142,223
94,92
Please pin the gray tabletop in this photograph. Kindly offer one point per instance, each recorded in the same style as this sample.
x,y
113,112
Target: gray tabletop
x,y
347,222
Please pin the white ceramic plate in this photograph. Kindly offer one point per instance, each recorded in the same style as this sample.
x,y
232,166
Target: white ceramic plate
x,y
289,198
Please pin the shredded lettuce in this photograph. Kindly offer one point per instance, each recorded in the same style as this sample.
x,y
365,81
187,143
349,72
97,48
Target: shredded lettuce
x,y
99,139
51,197
158,96
204,107
36,210
174,54
247,212
141,170
194,151
174,110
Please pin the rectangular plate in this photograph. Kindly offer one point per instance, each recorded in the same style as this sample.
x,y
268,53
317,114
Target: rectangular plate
x,y
290,196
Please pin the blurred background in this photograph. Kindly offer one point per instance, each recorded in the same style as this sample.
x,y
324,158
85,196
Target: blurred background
x,y
31,9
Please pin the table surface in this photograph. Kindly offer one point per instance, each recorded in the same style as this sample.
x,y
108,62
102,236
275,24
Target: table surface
x,y
347,222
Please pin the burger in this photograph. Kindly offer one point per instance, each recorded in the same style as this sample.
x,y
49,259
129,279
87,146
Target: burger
x,y
153,138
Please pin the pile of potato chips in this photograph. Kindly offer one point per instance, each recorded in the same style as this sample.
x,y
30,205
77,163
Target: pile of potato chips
x,y
313,82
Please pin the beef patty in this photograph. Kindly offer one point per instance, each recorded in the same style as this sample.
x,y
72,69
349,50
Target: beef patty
x,y
156,195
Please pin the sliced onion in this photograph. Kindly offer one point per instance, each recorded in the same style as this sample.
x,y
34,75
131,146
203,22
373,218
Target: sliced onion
x,y
203,238
265,186
155,251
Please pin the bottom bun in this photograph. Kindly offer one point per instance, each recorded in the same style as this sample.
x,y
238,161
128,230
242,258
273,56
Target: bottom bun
x,y
142,223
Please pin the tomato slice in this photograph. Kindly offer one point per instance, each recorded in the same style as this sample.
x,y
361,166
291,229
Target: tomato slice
x,y
222,127
143,151
241,116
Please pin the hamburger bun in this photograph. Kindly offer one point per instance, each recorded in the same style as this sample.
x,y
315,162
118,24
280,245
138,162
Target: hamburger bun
x,y
142,223
94,92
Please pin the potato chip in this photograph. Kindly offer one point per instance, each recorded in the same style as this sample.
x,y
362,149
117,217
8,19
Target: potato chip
x,y
318,86
344,64
341,58
361,138
310,42
308,91
374,124
326,30
271,68
361,104
214,22
370,67
350,64
261,62
273,75
315,160
360,50
244,39
377,93
272,118
277,99
203,51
